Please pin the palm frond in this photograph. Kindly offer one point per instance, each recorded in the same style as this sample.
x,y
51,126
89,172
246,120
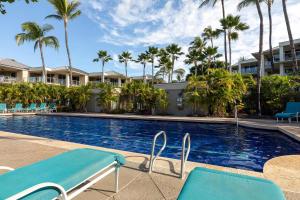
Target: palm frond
x,y
58,17
36,45
51,41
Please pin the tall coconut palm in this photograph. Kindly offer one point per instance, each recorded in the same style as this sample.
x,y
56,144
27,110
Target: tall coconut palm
x,y
125,57
65,11
242,4
211,54
288,27
152,53
233,25
165,64
213,3
174,51
269,5
37,34
210,34
104,57
143,58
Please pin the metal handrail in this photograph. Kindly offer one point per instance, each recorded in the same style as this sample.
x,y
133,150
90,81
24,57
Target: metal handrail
x,y
153,158
185,154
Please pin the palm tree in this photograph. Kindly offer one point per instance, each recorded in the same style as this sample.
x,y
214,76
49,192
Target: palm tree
x,y
66,11
180,72
242,4
35,33
193,57
269,4
143,58
174,51
104,58
213,3
210,34
233,25
125,57
165,64
288,27
152,53
211,54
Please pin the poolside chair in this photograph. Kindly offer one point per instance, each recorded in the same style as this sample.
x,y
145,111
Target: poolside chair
x,y
292,111
212,184
32,107
3,107
52,107
18,108
65,175
43,107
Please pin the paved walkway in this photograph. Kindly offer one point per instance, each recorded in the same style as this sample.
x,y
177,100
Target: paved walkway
x,y
135,183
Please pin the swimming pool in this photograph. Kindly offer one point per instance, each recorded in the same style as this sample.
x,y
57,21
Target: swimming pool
x,y
217,144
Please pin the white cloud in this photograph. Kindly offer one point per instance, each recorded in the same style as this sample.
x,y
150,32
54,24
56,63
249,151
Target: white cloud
x,y
160,22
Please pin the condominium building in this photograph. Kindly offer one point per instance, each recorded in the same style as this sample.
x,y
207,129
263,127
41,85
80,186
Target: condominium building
x,y
12,71
282,57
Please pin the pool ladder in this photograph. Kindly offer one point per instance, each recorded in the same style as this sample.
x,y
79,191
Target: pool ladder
x,y
184,153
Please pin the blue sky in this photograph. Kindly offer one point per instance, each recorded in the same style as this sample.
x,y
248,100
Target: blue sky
x,y
118,25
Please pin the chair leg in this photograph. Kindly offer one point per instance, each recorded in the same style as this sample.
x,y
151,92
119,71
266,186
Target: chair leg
x,y
277,119
289,120
117,179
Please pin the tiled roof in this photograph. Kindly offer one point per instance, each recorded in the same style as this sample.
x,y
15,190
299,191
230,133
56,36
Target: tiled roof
x,y
13,64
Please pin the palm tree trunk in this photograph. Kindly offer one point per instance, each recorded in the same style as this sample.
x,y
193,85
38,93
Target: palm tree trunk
x,y
288,26
102,78
172,71
126,70
225,34
43,63
212,43
144,76
229,48
196,70
68,52
270,35
260,63
152,71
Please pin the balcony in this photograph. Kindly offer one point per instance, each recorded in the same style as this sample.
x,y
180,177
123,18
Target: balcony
x,y
50,80
7,79
75,82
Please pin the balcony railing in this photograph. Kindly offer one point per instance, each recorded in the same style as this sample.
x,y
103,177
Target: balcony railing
x,y
75,82
7,79
50,80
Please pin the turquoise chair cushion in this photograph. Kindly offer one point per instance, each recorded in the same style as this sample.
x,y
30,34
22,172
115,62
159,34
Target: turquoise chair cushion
x,y
67,169
209,184
285,115
2,107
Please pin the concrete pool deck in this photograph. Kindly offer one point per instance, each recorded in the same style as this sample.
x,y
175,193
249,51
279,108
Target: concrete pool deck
x,y
17,150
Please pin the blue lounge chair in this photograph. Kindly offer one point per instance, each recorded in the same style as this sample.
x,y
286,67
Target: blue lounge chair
x,y
65,175
52,107
292,111
18,108
212,184
31,108
3,107
43,107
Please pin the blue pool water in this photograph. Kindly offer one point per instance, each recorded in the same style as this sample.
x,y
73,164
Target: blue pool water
x,y
217,144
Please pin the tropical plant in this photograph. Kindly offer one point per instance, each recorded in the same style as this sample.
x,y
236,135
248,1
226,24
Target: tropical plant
x,y
180,72
219,90
174,51
213,3
37,34
79,96
165,64
103,57
242,4
211,54
143,58
125,57
210,34
233,25
192,58
108,95
288,27
65,11
152,53
2,9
